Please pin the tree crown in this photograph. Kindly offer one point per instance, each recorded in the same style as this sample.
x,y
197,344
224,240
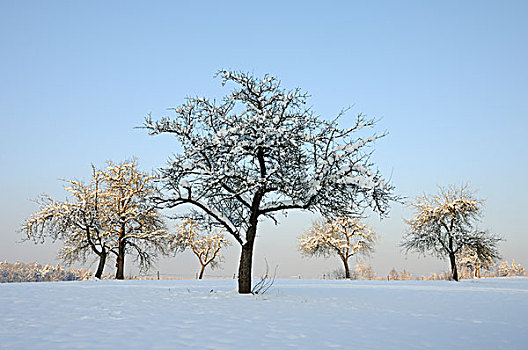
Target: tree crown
x,y
261,150
344,237
445,223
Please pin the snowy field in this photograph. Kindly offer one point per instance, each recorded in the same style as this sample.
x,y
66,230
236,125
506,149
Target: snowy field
x,y
304,314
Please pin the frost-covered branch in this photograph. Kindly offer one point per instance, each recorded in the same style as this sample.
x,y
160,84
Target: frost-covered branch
x,y
260,151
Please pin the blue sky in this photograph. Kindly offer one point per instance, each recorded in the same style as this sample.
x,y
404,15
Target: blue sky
x,y
448,81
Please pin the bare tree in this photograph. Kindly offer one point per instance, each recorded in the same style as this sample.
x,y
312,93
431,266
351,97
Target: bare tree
x,y
394,275
344,237
261,151
206,247
445,223
110,215
467,258
506,270
80,222
363,271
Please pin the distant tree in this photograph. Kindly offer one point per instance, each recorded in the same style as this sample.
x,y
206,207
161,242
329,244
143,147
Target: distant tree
x,y
405,275
206,247
34,272
363,271
393,275
337,274
467,258
110,215
517,269
261,151
503,270
506,270
445,223
344,237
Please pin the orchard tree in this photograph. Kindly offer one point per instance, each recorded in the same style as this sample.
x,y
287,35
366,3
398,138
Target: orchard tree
x,y
468,258
261,151
110,215
135,226
344,237
363,271
394,275
445,224
80,222
206,247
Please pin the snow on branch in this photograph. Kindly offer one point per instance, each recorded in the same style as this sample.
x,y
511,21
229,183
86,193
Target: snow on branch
x,y
261,150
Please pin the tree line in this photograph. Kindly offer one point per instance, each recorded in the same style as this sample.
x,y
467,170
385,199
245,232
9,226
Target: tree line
x,y
35,272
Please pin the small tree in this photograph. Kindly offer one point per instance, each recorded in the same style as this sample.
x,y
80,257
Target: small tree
x,y
110,215
363,271
393,275
445,224
503,270
506,270
205,247
467,258
261,151
517,269
344,237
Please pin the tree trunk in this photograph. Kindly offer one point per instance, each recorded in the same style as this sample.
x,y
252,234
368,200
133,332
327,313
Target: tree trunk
x,y
245,267
120,261
200,276
347,269
100,267
246,256
454,271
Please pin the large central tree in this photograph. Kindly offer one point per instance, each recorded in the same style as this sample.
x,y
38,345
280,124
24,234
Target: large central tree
x,y
261,151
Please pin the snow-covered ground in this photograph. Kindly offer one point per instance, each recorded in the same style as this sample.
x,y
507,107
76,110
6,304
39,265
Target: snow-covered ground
x,y
304,314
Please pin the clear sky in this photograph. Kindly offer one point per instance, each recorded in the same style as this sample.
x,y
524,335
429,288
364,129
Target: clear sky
x,y
447,79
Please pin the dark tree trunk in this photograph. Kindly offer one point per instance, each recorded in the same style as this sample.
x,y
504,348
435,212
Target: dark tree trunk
x,y
454,271
100,267
246,256
120,261
245,267
347,269
200,276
